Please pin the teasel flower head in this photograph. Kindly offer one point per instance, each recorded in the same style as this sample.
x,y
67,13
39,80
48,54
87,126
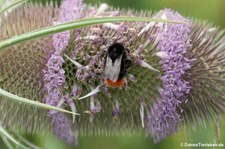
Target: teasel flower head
x,y
175,77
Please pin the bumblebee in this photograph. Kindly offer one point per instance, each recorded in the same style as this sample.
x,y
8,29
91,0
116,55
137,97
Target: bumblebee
x,y
117,62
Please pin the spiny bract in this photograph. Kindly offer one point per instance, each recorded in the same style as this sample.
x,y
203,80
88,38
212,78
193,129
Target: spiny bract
x,y
176,76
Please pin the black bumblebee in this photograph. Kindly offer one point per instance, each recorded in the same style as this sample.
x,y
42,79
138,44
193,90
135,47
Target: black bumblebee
x,y
116,65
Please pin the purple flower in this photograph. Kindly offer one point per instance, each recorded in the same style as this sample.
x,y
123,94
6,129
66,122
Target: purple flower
x,y
116,109
95,106
62,127
54,79
54,76
164,118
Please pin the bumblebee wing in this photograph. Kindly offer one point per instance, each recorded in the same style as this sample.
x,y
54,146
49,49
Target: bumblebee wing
x,y
112,71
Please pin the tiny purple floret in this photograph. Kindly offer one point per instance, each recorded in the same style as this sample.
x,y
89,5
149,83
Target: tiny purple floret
x,y
164,118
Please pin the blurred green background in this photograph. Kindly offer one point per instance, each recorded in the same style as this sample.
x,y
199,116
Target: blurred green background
x,y
210,10
200,135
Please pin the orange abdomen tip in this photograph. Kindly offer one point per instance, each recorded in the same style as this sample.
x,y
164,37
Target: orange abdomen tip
x,y
118,83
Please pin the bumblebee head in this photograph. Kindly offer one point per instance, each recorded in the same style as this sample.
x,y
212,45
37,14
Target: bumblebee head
x,y
115,51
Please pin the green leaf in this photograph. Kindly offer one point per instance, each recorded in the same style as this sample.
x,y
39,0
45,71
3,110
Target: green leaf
x,y
31,102
74,25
